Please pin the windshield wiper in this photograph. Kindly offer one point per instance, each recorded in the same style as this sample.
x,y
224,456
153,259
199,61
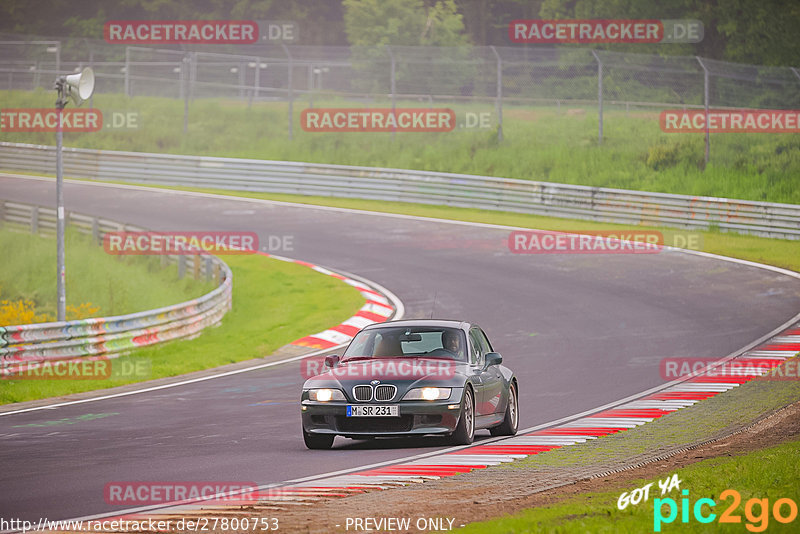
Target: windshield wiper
x,y
354,358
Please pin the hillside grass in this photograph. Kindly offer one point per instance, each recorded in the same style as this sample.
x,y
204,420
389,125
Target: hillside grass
x,y
542,143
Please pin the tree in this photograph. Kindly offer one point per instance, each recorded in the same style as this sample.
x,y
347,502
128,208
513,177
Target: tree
x,y
374,25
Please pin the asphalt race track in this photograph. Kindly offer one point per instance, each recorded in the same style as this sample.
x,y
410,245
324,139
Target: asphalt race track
x,y
579,331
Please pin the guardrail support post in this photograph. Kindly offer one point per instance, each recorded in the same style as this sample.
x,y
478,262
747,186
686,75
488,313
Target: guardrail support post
x,y
208,265
196,267
35,220
181,267
95,230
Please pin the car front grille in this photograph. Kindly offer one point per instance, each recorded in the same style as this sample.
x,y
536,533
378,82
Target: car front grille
x,y
362,393
385,392
375,424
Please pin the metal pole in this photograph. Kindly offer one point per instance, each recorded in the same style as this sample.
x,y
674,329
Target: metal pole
x,y
290,93
795,72
392,79
599,98
61,270
242,79
257,88
128,71
311,85
499,103
91,64
705,101
185,68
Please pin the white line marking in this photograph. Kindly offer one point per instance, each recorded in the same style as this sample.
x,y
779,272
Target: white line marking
x,y
399,313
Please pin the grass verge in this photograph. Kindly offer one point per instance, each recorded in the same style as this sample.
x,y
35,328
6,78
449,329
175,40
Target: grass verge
x,y
543,143
770,474
779,252
117,285
274,303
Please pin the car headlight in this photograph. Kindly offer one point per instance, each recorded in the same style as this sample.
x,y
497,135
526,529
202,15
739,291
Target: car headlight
x,y
325,395
429,394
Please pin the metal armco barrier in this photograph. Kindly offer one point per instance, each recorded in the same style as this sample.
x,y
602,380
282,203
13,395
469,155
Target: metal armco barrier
x,y
24,344
461,190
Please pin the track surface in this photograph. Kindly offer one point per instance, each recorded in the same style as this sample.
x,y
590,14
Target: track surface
x,y
578,330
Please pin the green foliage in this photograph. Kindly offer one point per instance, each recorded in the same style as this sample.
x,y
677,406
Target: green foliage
x,y
770,474
540,143
274,303
115,284
665,155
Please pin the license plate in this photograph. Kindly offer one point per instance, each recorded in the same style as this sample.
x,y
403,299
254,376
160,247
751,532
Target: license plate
x,y
373,411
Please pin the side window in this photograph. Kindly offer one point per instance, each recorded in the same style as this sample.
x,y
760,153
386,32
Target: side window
x,y
484,341
475,351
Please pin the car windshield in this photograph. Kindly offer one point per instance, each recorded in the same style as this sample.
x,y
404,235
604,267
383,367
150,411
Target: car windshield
x,y
408,342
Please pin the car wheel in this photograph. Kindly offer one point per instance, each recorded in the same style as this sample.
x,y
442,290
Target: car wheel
x,y
511,421
464,433
318,441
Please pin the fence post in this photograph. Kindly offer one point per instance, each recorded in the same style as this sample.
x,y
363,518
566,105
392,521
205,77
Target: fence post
x,y
392,81
499,101
185,68
181,267
208,264
257,80
242,79
599,98
35,220
290,93
91,64
311,85
705,105
128,71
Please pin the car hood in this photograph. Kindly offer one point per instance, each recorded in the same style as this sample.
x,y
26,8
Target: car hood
x,y
405,373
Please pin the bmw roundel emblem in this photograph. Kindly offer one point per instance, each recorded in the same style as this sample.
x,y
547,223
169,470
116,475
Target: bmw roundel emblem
x,y
375,382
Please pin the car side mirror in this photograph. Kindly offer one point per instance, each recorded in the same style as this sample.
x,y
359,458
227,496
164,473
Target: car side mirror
x,y
493,358
331,361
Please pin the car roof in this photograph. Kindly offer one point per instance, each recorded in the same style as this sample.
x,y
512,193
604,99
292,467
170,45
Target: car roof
x,y
435,323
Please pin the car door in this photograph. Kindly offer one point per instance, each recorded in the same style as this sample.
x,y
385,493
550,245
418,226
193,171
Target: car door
x,y
491,379
476,365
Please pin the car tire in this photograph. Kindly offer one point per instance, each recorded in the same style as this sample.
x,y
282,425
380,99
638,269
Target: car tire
x,y
464,433
318,441
511,421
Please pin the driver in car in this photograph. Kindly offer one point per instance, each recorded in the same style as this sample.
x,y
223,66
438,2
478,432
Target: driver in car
x,y
451,342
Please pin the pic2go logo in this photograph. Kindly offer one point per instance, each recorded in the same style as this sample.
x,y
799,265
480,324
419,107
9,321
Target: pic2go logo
x,y
757,521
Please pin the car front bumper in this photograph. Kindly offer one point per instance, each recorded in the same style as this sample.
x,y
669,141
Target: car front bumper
x,y
416,418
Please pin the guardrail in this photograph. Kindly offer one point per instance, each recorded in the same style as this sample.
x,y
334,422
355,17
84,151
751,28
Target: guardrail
x,y
22,345
461,190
